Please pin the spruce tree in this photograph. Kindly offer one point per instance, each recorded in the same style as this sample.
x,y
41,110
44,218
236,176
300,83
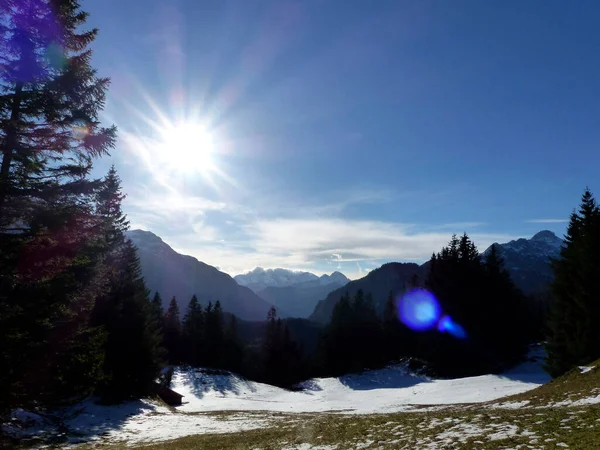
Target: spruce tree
x,y
397,339
193,333
213,334
50,267
233,350
348,342
157,312
483,300
282,359
573,337
172,333
509,315
134,353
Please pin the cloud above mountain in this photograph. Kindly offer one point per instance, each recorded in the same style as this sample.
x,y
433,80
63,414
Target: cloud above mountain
x,y
313,237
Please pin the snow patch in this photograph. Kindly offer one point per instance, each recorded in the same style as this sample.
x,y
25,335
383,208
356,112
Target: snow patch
x,y
581,402
505,432
510,405
586,369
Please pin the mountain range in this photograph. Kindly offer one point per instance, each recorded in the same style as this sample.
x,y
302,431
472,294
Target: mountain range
x,y
528,260
294,294
172,274
303,294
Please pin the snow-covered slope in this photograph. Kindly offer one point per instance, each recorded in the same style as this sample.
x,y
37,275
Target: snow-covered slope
x,y
254,405
385,390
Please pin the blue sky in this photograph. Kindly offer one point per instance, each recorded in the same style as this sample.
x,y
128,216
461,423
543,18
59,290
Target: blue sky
x,y
348,133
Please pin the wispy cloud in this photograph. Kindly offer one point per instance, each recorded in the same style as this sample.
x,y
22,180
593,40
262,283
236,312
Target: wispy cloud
x,y
352,240
546,221
458,226
305,234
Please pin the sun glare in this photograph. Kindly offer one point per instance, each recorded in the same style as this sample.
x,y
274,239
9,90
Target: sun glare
x,y
187,147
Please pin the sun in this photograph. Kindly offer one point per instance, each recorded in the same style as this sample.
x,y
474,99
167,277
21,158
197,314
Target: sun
x,y
187,147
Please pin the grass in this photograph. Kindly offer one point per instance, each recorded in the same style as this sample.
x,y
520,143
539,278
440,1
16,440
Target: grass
x,y
572,386
451,428
531,423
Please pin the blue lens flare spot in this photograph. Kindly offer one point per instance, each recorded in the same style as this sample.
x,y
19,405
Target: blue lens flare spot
x,y
419,310
447,325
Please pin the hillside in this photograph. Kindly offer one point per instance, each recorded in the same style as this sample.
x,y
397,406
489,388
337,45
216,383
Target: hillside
x,y
391,277
172,274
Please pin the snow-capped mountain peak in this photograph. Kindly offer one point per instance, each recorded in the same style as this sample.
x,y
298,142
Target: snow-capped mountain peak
x,y
548,237
528,260
259,279
335,277
274,277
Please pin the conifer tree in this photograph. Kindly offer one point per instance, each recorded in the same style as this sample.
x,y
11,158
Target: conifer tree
x,y
509,315
134,354
349,342
193,333
233,353
397,339
575,309
50,269
213,334
483,300
282,357
172,332
157,311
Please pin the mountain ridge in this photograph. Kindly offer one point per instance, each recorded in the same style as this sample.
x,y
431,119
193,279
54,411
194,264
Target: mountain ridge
x,y
294,293
528,260
173,274
259,278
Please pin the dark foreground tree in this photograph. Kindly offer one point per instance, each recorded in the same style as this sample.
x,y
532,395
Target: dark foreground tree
x,y
193,334
573,337
134,354
50,266
172,333
133,351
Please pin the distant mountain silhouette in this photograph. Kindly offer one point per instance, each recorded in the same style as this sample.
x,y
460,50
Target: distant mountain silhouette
x,y
295,294
391,277
173,274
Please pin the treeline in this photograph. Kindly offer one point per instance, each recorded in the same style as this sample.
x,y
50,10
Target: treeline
x,y
473,290
75,316
207,337
573,338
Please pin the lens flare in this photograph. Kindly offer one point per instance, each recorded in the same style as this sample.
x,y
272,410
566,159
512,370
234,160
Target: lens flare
x,y
419,310
79,129
55,56
447,325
